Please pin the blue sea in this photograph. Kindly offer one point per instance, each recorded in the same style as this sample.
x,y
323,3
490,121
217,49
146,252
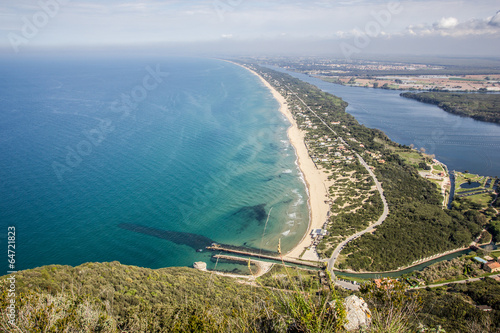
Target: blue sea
x,y
143,161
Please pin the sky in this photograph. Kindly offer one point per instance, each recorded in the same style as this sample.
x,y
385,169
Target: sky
x,y
255,27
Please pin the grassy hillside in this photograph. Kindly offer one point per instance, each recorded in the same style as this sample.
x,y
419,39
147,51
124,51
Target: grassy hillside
x,y
104,297
454,307
110,297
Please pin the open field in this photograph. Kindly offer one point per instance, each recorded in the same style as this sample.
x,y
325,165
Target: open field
x,y
422,82
483,199
411,157
478,191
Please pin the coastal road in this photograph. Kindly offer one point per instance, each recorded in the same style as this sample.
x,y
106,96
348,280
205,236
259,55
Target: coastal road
x,y
454,282
443,186
371,228
385,213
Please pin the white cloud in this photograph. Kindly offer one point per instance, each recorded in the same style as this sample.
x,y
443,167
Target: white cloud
x,y
451,27
96,22
447,23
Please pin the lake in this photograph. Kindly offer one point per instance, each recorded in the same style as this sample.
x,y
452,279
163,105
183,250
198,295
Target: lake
x,y
459,142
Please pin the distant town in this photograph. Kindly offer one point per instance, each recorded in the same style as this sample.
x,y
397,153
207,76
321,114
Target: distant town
x,y
398,75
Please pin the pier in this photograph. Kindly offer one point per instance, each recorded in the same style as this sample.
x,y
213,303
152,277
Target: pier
x,y
217,247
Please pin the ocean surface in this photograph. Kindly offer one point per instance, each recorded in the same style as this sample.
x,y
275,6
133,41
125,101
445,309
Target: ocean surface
x,y
461,143
143,161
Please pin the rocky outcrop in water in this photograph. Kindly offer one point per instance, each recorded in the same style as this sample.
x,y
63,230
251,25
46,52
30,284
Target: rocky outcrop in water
x,y
200,265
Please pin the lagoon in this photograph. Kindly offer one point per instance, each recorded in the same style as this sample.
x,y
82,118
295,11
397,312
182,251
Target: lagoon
x,y
459,142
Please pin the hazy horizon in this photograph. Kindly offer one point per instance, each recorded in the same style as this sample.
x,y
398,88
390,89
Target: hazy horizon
x,y
351,29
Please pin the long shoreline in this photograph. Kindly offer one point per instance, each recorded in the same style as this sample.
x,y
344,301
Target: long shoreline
x,y
315,179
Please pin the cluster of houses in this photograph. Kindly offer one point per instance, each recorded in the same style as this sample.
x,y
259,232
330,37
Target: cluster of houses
x,y
375,156
384,283
329,150
307,121
489,264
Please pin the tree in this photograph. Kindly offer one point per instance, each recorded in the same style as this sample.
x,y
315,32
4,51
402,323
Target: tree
x,y
423,165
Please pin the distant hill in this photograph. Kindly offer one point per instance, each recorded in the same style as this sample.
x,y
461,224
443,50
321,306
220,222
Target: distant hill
x,y
483,107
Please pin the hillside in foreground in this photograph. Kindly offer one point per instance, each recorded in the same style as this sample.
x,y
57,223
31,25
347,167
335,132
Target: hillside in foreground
x,y
110,297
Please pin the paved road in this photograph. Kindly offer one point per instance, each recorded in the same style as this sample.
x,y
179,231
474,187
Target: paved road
x,y
336,252
455,282
371,228
347,285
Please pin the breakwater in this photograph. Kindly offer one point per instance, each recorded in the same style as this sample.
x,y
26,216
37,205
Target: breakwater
x,y
277,259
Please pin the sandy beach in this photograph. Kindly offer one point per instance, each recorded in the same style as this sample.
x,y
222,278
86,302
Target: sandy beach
x,y
315,179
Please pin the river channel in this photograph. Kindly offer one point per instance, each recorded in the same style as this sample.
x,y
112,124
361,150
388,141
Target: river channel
x,y
459,142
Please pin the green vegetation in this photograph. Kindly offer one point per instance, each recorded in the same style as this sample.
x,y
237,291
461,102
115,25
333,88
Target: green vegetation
x,y
467,178
482,199
494,229
484,107
417,226
286,278
454,307
438,168
480,196
394,310
128,298
431,169
447,309
457,269
486,237
109,297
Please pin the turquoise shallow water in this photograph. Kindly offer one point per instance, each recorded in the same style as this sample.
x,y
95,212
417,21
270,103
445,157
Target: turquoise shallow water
x,y
114,159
